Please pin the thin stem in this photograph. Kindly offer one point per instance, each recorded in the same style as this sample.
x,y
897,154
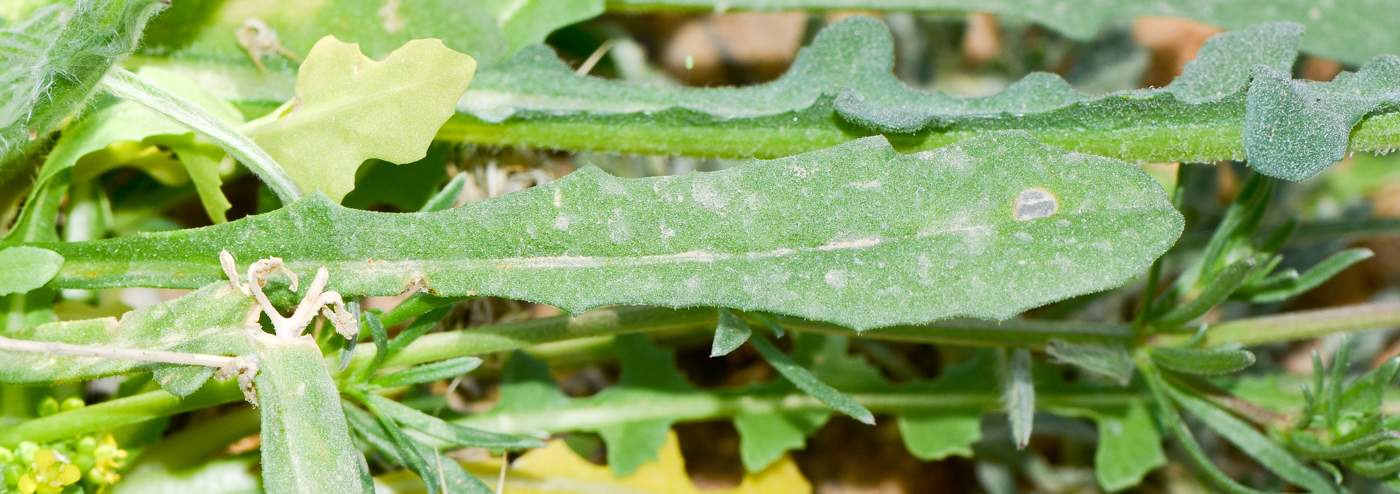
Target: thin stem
x,y
197,442
116,413
55,348
1025,333
125,84
700,406
1296,325
1154,276
621,320
511,336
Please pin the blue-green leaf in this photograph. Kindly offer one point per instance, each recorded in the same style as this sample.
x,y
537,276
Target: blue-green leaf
x,y
849,235
209,321
306,446
1294,129
53,60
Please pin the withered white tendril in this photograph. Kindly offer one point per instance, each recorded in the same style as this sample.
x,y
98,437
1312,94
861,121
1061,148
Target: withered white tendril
x,y
327,303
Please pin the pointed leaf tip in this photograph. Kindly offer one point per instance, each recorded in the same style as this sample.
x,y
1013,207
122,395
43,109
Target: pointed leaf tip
x,y
731,333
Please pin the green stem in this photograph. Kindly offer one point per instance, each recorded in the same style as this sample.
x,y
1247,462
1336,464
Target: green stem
x,y
621,320
505,337
740,139
1024,333
125,84
196,443
690,407
118,412
1293,326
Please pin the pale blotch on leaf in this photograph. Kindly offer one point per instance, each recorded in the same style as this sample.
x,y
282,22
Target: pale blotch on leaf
x,y
1035,202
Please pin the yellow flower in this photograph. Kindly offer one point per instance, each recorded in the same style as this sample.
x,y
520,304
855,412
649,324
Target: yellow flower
x,y
46,476
107,459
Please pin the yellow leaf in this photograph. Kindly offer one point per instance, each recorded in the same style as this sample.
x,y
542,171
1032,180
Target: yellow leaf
x,y
349,108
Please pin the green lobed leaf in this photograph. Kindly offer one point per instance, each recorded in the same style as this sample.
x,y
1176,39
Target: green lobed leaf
x,y
846,75
1295,129
209,321
1347,31
765,437
844,78
526,385
1129,447
647,373
731,333
537,100
938,417
937,434
349,108
849,235
53,60
1129,444
306,446
27,268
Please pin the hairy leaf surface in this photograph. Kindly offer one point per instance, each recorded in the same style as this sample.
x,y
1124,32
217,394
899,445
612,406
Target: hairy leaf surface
x,y
841,87
1294,129
90,147
859,235
306,446
210,321
51,63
